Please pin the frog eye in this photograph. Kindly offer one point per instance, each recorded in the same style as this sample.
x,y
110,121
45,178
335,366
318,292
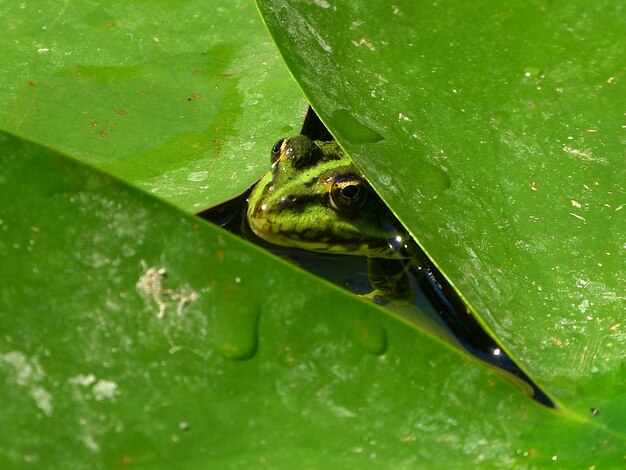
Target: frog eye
x,y
276,150
348,194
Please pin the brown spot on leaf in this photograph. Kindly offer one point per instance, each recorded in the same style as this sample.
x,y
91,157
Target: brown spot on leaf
x,y
556,341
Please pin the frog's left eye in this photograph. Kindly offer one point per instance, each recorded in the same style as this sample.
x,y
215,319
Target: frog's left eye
x,y
348,194
276,150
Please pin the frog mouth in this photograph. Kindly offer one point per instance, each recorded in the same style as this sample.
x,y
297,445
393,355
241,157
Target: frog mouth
x,y
314,241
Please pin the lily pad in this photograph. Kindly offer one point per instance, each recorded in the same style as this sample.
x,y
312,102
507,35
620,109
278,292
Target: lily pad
x,y
180,99
499,143
135,335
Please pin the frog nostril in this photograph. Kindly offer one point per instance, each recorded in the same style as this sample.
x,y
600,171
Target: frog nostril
x,y
289,202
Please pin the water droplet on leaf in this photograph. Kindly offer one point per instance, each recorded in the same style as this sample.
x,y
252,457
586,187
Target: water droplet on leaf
x,y
234,327
348,127
532,72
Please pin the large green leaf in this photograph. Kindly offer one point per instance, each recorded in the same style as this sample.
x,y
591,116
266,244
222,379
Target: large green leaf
x,y
495,131
135,335
170,96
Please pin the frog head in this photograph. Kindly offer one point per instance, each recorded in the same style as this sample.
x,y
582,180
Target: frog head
x,y
314,198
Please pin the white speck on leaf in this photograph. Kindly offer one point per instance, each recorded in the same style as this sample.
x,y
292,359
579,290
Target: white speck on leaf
x,y
364,42
104,389
150,284
322,4
28,373
584,154
84,380
198,176
584,306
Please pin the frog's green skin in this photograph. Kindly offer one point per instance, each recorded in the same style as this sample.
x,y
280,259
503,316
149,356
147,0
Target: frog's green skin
x,y
314,198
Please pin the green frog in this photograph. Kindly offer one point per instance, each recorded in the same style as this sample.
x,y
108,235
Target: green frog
x,y
315,199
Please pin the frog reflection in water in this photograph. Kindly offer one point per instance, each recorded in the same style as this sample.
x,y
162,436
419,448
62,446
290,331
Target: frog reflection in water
x,y
315,199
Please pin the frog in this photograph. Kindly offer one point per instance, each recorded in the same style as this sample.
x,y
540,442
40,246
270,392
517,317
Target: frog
x,y
315,199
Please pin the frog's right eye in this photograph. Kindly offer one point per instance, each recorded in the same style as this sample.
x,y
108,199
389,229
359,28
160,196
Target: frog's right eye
x,y
348,195
276,150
